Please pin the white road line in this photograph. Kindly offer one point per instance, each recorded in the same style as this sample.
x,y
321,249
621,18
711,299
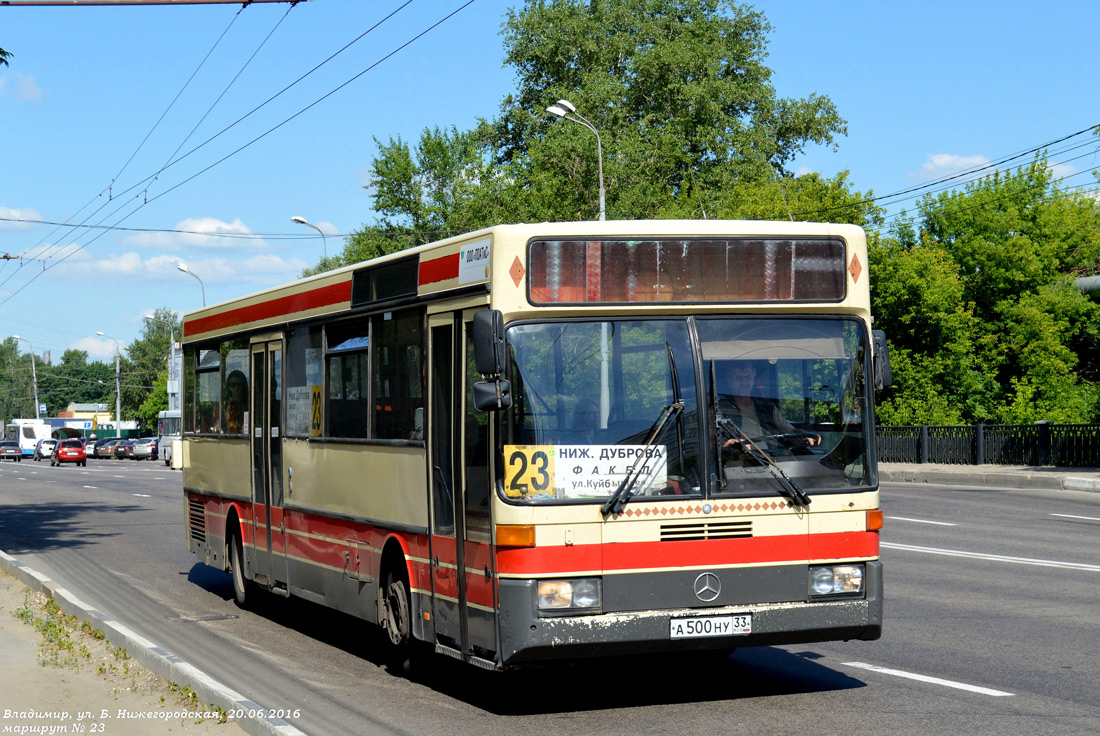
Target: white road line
x,y
93,487
932,680
141,495
1071,516
994,558
920,521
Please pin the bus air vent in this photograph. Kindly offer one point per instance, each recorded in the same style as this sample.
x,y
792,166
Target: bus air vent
x,y
697,531
197,517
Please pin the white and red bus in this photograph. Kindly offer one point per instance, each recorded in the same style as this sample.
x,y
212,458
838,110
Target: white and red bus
x,y
553,441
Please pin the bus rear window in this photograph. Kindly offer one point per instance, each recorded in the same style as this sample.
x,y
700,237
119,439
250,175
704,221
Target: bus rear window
x,y
686,270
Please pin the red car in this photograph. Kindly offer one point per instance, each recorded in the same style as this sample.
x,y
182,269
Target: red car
x,y
69,451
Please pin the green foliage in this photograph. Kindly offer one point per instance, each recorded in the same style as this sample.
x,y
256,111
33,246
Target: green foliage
x,y
689,122
984,320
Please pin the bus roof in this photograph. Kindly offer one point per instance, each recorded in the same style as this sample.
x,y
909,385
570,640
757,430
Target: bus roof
x,y
468,262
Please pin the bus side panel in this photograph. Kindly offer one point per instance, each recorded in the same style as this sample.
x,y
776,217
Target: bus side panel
x,y
337,562
384,482
221,465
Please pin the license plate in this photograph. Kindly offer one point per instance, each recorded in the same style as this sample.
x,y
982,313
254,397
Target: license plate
x,y
703,626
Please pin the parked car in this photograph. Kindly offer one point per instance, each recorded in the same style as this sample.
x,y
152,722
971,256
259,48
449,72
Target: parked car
x,y
98,448
145,448
108,448
69,451
43,449
9,449
124,449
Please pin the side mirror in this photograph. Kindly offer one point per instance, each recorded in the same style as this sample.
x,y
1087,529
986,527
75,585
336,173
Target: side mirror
x,y
489,342
493,395
883,375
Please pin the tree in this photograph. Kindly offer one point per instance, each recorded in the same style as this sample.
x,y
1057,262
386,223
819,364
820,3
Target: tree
x,y
984,318
4,56
147,365
678,89
689,121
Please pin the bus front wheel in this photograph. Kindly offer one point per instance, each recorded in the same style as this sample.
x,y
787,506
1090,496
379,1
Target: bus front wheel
x,y
396,620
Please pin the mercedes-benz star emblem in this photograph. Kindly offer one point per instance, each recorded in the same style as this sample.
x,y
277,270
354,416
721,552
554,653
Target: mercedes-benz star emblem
x,y
707,587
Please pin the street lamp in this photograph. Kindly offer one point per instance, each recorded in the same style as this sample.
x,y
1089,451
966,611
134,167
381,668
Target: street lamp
x,y
34,374
118,386
303,221
173,390
183,267
567,111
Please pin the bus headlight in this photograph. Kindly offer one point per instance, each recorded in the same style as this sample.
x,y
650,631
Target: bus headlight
x,y
582,594
836,580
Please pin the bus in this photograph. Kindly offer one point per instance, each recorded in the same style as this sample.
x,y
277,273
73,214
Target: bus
x,y
537,442
28,432
168,430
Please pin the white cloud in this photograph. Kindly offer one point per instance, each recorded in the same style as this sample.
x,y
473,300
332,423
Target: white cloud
x,y
133,268
19,86
97,348
12,219
199,233
1061,171
940,165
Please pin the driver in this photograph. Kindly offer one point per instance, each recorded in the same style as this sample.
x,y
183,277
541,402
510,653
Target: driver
x,y
757,416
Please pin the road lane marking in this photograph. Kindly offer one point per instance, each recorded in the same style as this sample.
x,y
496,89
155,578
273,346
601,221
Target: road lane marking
x,y
1071,516
920,521
932,680
92,487
994,558
141,495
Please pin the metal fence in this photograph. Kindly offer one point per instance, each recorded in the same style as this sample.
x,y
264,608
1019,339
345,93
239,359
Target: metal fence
x,y
1063,445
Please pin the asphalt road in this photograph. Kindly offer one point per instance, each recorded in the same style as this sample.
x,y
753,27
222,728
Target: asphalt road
x,y
992,627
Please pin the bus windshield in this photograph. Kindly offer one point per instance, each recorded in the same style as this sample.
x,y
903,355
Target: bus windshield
x,y
670,407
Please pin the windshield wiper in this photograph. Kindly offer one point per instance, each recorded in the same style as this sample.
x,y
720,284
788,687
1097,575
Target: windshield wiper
x,y
786,485
622,494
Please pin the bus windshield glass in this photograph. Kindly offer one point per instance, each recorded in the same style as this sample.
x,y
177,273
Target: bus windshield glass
x,y
666,406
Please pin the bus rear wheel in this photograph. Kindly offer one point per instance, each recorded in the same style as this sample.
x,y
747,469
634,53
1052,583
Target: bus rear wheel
x,y
242,586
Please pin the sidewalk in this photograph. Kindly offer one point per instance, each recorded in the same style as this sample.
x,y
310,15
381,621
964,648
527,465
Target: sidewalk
x,y
59,677
994,476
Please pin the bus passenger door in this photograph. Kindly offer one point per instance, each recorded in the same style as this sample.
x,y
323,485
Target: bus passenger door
x,y
267,462
448,584
463,572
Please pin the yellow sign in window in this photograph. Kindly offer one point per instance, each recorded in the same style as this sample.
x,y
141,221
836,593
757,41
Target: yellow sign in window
x,y
528,470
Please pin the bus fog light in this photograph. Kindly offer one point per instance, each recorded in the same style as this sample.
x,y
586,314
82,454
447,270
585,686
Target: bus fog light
x,y
564,595
836,580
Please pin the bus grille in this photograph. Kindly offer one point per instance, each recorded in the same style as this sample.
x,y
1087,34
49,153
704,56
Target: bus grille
x,y
706,530
197,517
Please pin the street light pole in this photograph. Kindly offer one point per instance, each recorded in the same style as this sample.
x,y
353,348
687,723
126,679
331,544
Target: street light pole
x,y
183,267
118,389
34,375
567,111
324,240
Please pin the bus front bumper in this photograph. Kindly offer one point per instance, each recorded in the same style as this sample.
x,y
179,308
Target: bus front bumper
x,y
527,638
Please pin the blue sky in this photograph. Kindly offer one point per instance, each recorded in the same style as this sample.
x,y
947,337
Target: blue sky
x,y
925,87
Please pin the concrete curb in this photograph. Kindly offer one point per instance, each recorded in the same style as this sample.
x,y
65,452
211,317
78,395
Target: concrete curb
x,y
988,477
154,658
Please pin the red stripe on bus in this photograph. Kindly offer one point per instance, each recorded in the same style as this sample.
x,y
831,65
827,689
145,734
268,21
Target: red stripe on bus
x,y
714,553
439,269
323,296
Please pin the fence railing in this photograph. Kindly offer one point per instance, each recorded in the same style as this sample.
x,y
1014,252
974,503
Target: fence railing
x,y
1064,445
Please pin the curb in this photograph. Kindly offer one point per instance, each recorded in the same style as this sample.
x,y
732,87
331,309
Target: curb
x,y
972,476
154,658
